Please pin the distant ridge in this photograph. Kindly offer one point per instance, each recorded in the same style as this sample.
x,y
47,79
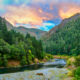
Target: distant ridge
x,y
65,21
64,38
32,31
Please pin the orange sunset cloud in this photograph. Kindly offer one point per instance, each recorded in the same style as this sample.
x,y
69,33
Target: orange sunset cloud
x,y
68,11
26,15
39,11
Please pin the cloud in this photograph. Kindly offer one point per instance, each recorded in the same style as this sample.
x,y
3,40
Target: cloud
x,y
44,1
26,15
46,26
34,13
25,25
68,10
1,5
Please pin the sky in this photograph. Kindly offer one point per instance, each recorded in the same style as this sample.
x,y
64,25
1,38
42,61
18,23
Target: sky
x,y
41,14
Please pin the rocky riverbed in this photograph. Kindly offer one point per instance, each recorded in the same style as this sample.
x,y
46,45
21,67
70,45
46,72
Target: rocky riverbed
x,y
47,72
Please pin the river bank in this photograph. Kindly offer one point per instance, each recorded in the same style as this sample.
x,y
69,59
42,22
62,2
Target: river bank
x,y
48,74
58,63
50,70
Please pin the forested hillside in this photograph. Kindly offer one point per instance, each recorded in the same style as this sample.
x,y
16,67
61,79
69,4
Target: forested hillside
x,y
65,40
32,31
14,46
24,30
61,25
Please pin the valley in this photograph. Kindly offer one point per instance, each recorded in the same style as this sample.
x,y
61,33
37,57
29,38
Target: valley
x,y
27,48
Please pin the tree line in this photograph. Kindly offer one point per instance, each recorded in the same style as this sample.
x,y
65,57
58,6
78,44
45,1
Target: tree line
x,y
65,40
15,46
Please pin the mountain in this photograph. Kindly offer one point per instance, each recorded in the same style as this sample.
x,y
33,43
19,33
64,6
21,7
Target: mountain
x,y
32,31
64,38
9,25
61,25
16,48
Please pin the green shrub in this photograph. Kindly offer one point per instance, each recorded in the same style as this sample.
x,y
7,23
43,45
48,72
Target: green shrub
x,y
71,61
77,74
48,56
70,74
1,60
68,62
23,61
77,62
5,61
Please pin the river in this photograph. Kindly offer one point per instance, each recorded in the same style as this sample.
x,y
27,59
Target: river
x,y
51,70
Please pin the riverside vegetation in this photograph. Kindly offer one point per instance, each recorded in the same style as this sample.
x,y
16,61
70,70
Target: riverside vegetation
x,y
66,41
23,50
17,49
73,64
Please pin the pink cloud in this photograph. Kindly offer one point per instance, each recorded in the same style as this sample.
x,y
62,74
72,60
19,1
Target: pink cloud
x,y
68,10
26,15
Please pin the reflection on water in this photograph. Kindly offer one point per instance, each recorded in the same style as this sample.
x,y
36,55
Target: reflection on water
x,y
55,63
48,69
59,63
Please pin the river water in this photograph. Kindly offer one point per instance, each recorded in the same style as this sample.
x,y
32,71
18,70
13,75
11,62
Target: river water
x,y
51,70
